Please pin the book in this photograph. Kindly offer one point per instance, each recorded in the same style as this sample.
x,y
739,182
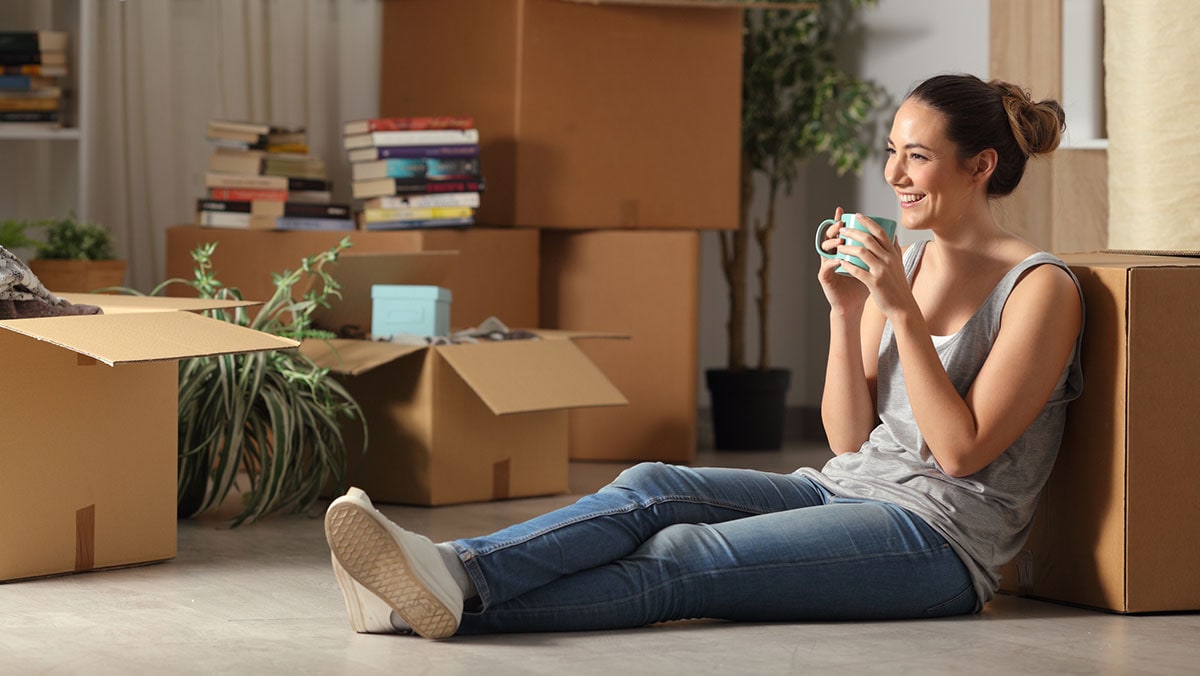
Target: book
x,y
33,41
380,187
249,194
254,134
233,219
8,104
447,199
389,152
50,92
306,223
310,196
32,116
33,58
406,124
418,224
26,83
431,137
293,165
275,208
416,213
33,69
430,167
218,180
248,162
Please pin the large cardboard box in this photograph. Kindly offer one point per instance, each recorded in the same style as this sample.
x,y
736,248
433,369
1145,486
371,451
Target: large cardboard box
x,y
1118,526
591,115
91,427
496,273
461,422
645,285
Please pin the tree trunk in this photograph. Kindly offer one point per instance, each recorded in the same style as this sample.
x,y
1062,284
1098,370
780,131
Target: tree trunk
x,y
762,233
734,250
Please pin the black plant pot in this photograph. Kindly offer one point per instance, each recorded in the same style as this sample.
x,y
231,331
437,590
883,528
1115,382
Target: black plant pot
x,y
748,408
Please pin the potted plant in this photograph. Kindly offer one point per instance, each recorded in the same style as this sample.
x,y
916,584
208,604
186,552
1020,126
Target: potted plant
x,y
272,418
75,255
797,102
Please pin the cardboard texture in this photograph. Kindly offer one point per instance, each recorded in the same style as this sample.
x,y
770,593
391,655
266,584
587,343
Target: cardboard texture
x,y
1118,526
91,431
645,285
494,273
592,115
463,423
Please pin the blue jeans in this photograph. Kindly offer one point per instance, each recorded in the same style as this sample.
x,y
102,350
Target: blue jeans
x,y
665,542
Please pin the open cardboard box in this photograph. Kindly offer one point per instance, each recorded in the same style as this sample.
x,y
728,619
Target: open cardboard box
x,y
90,422
1118,525
459,423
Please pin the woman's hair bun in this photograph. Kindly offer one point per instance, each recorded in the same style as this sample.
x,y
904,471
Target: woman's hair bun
x,y
1037,126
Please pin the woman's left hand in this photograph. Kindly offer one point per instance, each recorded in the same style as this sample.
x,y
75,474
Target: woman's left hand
x,y
883,256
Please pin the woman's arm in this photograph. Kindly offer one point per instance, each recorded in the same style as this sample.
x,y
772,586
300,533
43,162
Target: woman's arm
x,y
1039,325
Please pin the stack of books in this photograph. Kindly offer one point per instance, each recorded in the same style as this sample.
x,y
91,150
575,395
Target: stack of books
x,y
415,172
32,65
261,176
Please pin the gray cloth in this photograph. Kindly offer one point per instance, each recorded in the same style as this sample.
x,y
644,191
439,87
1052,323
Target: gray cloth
x,y
986,516
22,295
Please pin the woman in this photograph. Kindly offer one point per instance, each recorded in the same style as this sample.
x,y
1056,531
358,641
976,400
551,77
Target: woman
x,y
944,404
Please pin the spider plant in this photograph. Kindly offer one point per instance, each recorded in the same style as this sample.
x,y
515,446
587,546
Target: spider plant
x,y
274,416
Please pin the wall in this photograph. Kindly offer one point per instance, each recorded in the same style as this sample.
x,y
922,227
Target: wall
x,y
904,41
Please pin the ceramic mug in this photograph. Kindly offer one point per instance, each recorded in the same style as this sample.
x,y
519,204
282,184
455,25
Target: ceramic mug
x,y
848,220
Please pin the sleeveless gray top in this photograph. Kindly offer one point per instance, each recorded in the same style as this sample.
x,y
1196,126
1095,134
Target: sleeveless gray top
x,y
986,516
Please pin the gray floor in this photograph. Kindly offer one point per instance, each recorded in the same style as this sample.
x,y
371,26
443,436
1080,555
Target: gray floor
x,y
261,600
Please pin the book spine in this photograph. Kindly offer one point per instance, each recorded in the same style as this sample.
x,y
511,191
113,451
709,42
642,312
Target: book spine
x,y
16,83
432,137
450,199
29,116
305,223
314,184
8,104
416,213
432,168
416,123
247,194
37,70
215,180
21,58
401,152
232,206
306,210
19,41
421,223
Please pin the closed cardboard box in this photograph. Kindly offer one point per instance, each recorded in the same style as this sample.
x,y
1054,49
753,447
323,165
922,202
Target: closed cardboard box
x,y
644,285
593,114
1118,526
91,430
495,273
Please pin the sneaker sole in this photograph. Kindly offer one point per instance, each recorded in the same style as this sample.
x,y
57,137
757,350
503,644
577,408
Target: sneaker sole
x,y
368,553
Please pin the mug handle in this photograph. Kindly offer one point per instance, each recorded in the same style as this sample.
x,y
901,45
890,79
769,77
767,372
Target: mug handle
x,y
821,237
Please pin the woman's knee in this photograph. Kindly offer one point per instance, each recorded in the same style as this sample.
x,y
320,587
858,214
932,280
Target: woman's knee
x,y
646,477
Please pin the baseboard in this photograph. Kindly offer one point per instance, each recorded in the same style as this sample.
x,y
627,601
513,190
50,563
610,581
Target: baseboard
x,y
800,423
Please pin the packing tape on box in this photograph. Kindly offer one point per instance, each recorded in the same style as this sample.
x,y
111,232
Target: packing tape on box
x,y
1150,56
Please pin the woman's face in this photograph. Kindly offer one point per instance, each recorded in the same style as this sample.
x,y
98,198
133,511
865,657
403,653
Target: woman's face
x,y
923,168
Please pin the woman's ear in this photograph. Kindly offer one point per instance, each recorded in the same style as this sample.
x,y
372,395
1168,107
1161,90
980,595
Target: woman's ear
x,y
982,165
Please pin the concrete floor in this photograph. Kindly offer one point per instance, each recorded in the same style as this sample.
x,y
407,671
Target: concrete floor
x,y
261,600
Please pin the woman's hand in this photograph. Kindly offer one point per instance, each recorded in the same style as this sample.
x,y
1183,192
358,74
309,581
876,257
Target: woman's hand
x,y
885,279
845,295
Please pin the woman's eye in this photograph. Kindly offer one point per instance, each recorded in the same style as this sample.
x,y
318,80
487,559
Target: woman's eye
x,y
918,156
889,151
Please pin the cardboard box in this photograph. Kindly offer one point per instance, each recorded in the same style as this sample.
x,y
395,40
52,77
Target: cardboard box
x,y
496,273
591,115
1118,526
461,423
91,427
645,285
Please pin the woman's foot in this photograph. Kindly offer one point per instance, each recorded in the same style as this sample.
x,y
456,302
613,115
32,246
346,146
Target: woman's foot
x,y
385,563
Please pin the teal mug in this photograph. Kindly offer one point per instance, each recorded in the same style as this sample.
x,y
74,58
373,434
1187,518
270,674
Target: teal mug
x,y
848,220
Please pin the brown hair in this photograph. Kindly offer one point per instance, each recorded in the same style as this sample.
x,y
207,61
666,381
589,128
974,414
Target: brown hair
x,y
996,114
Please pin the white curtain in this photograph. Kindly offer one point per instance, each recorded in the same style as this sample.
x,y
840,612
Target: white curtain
x,y
161,69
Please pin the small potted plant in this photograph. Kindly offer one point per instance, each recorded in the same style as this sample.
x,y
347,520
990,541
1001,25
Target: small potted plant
x,y
75,255
797,102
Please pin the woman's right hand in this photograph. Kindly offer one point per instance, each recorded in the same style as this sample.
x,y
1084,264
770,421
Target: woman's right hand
x,y
845,294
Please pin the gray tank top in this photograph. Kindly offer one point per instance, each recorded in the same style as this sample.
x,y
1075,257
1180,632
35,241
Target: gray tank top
x,y
986,516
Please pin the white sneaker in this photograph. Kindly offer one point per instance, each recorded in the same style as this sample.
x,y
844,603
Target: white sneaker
x,y
368,613
402,569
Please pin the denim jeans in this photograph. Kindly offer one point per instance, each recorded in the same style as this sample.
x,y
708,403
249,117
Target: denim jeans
x,y
664,542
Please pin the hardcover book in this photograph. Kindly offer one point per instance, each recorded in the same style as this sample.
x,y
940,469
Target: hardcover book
x,y
406,124
388,152
433,137
402,186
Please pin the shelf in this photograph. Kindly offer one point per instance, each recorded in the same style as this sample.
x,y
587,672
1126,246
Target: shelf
x,y
64,134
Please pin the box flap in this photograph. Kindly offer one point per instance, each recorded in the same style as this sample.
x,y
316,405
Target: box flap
x,y
1128,259
563,334
357,272
353,357
146,336
519,376
118,304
